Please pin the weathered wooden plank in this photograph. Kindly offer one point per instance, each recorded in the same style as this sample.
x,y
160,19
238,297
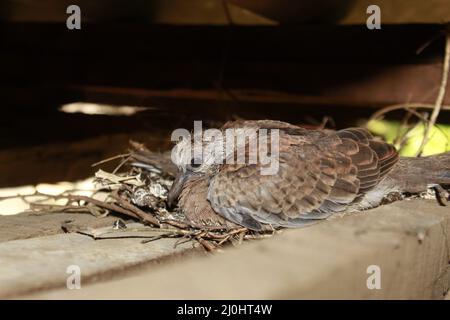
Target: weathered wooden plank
x,y
26,225
70,161
408,240
293,59
41,263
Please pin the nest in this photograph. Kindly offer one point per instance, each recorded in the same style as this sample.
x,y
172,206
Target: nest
x,y
138,189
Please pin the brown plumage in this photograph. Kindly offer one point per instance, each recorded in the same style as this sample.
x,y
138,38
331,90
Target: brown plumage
x,y
320,173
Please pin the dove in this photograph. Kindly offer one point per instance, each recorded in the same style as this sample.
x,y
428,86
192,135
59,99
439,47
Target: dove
x,y
320,173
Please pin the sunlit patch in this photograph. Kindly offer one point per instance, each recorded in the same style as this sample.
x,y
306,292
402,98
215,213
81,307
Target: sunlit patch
x,y
439,138
12,201
104,109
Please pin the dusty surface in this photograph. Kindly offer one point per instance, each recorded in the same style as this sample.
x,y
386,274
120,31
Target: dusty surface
x,y
408,240
26,225
45,262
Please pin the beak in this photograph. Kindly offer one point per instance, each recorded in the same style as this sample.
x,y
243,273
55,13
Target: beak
x,y
176,188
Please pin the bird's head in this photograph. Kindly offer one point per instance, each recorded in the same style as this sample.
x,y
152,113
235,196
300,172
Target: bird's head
x,y
195,159
202,155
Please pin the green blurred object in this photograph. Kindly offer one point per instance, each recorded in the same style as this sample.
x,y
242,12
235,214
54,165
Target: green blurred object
x,y
439,141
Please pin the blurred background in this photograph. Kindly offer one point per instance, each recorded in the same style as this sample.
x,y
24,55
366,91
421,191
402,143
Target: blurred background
x,y
140,69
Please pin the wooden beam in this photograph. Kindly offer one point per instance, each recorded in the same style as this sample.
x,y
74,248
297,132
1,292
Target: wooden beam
x,y
408,240
27,225
336,64
41,263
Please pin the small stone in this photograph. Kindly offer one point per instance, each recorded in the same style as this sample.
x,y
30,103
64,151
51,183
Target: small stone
x,y
119,224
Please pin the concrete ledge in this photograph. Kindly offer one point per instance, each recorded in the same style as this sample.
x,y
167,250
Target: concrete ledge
x,y
408,240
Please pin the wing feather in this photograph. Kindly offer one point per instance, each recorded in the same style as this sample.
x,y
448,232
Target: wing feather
x,y
319,174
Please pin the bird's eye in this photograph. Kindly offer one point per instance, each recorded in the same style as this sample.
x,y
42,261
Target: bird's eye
x,y
195,164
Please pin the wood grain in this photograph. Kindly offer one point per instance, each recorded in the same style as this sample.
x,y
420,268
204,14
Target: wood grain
x,y
408,240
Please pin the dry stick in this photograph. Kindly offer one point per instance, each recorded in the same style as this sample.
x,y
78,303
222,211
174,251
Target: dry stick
x,y
417,114
424,119
224,240
121,164
426,44
181,241
208,240
241,237
440,97
152,239
56,208
236,231
402,125
171,233
50,208
400,139
106,205
39,194
187,224
111,159
257,236
174,223
208,245
101,204
138,212
209,228
405,106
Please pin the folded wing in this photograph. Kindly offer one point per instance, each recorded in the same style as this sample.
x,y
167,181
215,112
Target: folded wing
x,y
319,174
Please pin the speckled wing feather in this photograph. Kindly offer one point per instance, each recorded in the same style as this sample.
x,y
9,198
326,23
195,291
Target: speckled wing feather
x,y
320,173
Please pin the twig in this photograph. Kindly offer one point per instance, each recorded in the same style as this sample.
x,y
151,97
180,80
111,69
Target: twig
x,y
132,180
178,224
111,159
440,97
405,106
138,212
171,234
406,136
426,44
99,203
403,124
208,245
224,240
120,165
182,240
102,204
